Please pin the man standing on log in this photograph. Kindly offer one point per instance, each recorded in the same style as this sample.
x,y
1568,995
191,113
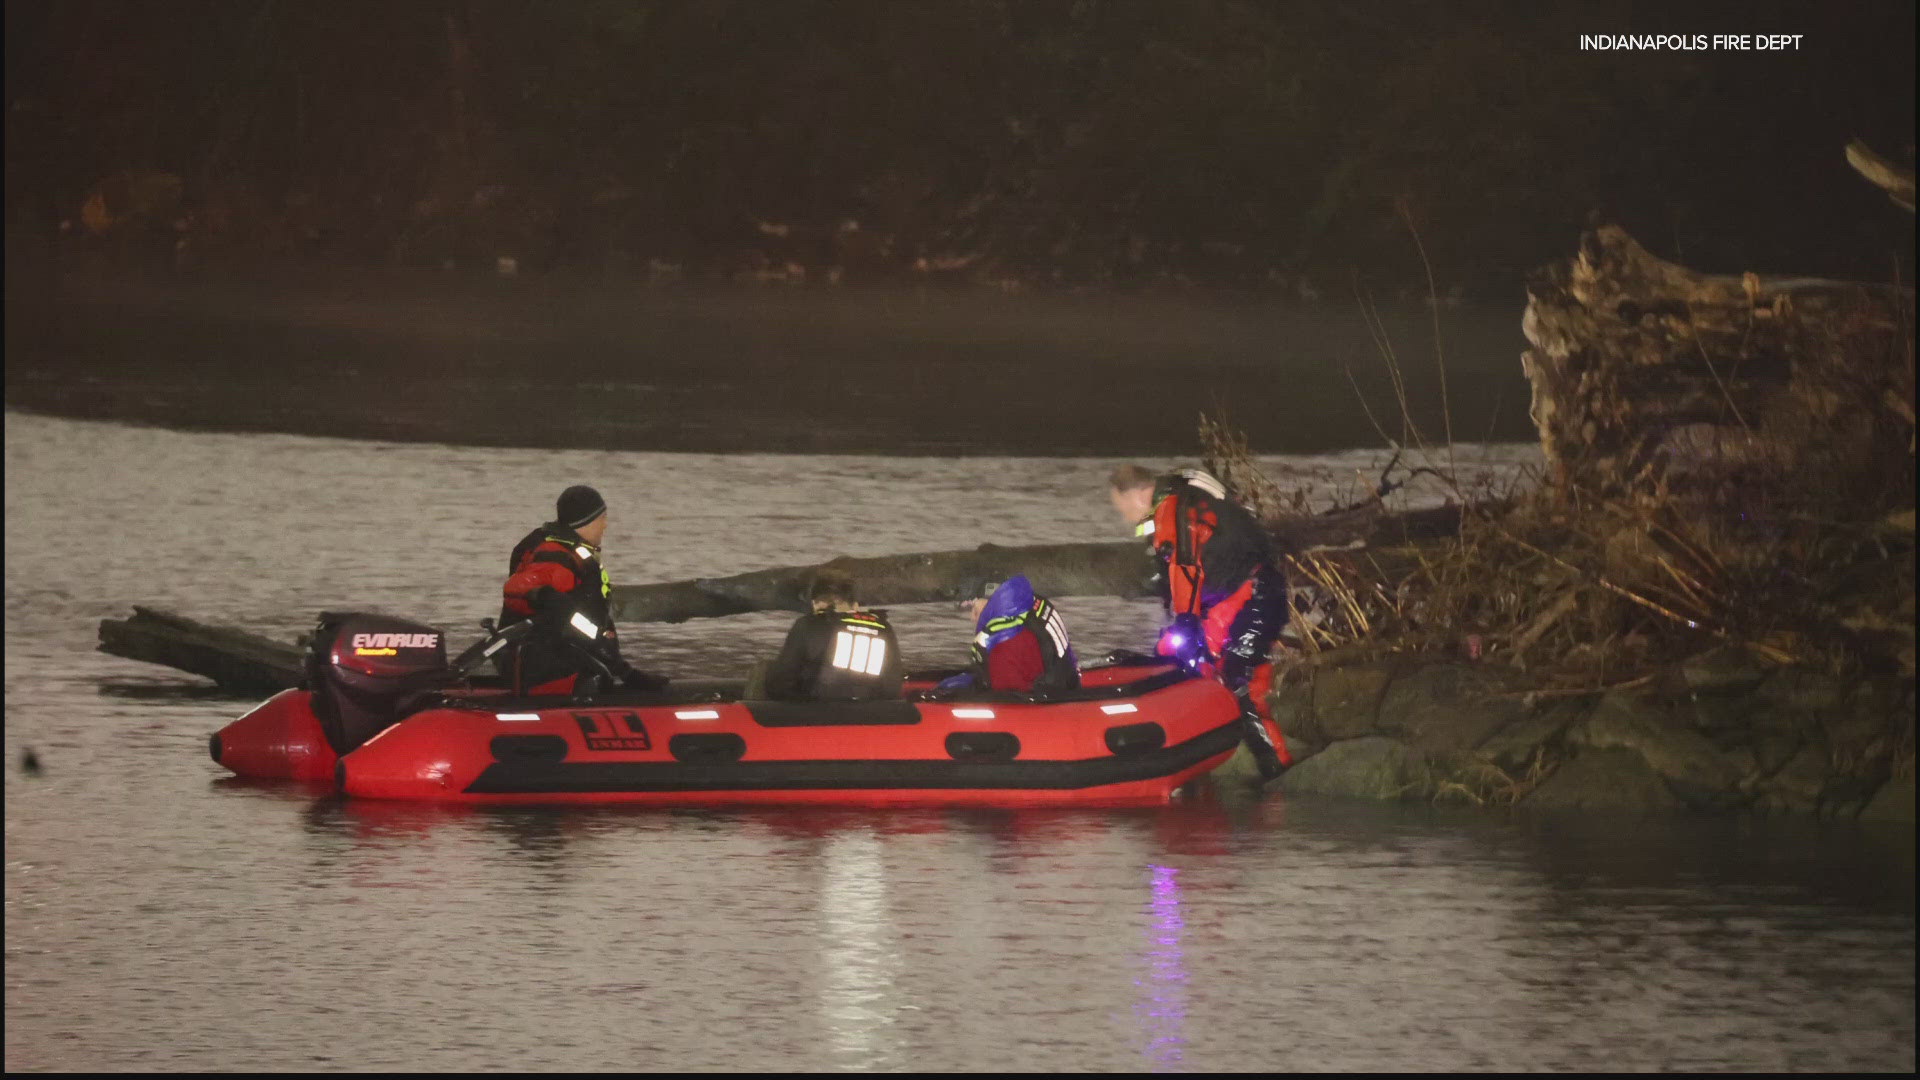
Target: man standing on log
x,y
558,582
1227,598
837,653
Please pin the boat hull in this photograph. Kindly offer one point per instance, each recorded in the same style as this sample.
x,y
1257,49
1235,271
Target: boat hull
x,y
279,739
1111,746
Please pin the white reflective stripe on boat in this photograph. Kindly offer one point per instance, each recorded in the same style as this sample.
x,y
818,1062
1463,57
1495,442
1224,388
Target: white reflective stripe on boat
x,y
698,714
1111,709
513,717
973,714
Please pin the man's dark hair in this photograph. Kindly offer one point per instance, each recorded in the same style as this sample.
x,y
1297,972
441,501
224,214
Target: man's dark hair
x,y
832,585
1129,477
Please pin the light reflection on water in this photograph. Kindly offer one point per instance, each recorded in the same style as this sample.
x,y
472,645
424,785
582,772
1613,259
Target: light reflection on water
x,y
161,917
1165,1010
856,996
293,929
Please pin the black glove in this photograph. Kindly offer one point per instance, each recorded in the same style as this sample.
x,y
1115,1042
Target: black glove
x,y
635,679
550,607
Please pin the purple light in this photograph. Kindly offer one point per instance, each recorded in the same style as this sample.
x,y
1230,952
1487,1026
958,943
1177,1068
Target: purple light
x,y
1165,1010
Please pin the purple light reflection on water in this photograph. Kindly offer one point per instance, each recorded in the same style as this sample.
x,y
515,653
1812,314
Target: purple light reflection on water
x,y
1164,1012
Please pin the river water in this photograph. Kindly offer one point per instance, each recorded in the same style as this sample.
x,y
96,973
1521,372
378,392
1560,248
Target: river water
x,y
163,917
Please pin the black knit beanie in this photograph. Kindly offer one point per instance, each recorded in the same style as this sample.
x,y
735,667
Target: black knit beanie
x,y
578,506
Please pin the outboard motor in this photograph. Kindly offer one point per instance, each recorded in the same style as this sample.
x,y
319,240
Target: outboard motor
x,y
367,671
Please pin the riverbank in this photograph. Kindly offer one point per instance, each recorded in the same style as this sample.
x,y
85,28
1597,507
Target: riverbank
x,y
1532,662
1707,603
1580,698
1719,732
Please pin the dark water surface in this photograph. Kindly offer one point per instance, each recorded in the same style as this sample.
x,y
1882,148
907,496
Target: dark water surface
x,y
160,916
553,362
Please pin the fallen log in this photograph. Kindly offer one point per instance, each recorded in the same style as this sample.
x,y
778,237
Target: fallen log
x,y
1117,569
242,661
235,659
1120,569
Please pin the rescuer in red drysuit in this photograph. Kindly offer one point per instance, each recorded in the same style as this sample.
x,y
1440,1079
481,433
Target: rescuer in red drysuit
x,y
558,582
1228,600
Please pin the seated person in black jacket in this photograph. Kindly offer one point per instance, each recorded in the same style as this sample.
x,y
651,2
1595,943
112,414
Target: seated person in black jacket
x,y
839,652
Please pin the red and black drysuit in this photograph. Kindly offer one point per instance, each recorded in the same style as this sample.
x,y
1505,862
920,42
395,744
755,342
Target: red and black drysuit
x,y
1218,568
837,656
556,579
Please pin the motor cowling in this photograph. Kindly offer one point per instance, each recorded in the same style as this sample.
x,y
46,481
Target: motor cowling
x,y
367,671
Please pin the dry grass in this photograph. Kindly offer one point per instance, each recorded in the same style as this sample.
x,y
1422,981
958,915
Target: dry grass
x,y
1481,782
1601,591
1803,556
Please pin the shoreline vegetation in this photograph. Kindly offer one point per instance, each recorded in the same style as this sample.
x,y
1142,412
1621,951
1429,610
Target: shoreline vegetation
x,y
1707,601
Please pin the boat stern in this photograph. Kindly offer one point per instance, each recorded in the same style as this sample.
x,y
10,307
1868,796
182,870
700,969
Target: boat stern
x,y
279,739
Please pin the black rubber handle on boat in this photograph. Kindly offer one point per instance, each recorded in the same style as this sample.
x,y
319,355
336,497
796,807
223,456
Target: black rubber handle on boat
x,y
483,648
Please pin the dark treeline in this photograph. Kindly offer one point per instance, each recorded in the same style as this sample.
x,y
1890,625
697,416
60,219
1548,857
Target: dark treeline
x,y
1108,142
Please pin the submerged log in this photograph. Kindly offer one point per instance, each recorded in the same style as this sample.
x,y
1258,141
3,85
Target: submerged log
x,y
232,658
1644,371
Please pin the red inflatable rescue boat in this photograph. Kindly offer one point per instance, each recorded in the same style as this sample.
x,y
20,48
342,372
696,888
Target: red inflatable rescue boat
x,y
386,716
